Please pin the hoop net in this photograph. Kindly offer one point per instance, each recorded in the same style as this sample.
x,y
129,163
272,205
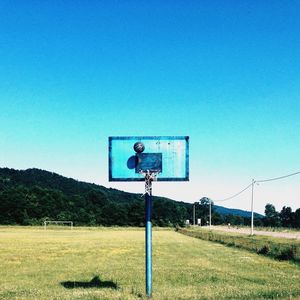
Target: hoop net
x,y
149,177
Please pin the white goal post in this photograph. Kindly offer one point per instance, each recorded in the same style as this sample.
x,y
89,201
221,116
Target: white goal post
x,y
57,223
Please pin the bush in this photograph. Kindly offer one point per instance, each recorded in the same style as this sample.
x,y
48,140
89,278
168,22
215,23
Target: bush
x,y
264,250
287,254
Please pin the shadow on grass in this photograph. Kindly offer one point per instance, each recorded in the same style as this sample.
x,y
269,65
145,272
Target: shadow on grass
x,y
96,282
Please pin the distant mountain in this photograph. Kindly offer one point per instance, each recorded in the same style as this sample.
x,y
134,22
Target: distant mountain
x,y
235,212
33,195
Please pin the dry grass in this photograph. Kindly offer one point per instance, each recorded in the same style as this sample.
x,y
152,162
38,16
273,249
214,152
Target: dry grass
x,y
37,264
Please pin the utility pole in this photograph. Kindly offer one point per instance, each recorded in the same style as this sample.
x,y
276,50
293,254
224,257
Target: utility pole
x,y
252,214
194,214
209,213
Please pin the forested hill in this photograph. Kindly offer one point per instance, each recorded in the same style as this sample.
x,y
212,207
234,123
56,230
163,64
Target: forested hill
x,y
33,195
236,212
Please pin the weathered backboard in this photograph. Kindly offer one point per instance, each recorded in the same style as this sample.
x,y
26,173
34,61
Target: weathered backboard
x,y
168,155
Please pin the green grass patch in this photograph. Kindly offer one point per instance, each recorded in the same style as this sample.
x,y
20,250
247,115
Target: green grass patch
x,y
108,263
279,248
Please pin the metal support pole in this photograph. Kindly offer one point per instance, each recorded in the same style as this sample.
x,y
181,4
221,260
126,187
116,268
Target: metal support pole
x,y
252,214
209,213
194,215
148,234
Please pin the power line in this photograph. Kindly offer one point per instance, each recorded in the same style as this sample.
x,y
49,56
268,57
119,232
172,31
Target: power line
x,y
277,178
257,181
252,185
235,195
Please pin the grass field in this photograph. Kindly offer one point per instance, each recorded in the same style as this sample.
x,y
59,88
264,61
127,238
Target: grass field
x,y
280,248
64,264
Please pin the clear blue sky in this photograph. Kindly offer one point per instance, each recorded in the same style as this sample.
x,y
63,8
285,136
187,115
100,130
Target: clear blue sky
x,y
226,73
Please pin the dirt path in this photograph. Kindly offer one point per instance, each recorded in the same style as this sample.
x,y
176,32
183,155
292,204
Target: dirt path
x,y
287,235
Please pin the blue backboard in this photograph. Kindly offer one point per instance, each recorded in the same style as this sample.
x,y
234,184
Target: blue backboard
x,y
167,155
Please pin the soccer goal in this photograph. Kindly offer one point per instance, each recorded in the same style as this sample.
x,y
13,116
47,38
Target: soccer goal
x,y
47,223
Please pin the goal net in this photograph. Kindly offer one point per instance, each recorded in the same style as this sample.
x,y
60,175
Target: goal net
x,y
58,223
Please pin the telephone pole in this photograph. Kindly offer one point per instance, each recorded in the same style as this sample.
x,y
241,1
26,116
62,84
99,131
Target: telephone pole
x,y
194,214
252,214
209,213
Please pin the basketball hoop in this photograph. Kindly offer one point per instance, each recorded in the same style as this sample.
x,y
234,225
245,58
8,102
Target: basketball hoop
x,y
155,158
149,177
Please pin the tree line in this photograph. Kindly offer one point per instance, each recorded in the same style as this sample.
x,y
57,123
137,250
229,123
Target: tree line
x,y
29,197
32,196
285,218
272,218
